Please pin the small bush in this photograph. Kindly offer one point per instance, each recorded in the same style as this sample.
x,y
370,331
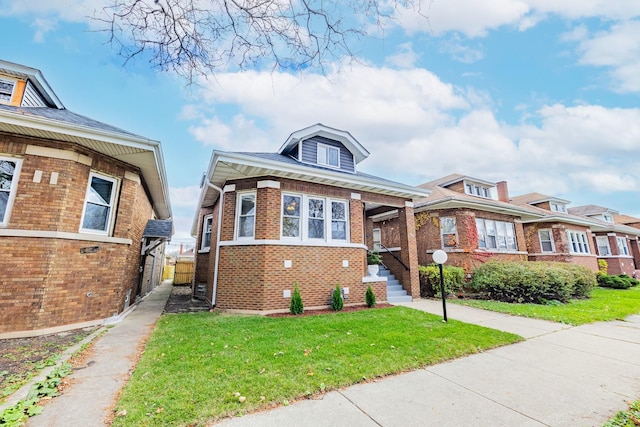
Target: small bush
x,y
374,258
620,281
603,266
533,282
296,306
430,279
336,299
370,297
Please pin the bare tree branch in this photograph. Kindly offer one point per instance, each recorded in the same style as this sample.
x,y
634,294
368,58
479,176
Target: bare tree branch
x,y
202,37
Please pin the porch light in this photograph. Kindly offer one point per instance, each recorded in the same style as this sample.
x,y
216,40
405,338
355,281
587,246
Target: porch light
x,y
440,257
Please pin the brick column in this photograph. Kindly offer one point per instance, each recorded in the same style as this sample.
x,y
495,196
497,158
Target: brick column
x,y
409,254
268,211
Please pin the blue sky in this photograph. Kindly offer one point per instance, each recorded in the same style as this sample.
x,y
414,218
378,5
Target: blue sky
x,y
540,93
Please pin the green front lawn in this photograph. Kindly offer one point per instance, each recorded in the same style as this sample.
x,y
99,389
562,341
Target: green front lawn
x,y
605,304
201,367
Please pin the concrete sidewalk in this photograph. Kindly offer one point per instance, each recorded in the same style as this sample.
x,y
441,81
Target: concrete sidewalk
x,y
559,376
95,388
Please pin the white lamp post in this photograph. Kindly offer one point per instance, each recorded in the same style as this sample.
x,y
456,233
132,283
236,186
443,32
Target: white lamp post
x,y
440,257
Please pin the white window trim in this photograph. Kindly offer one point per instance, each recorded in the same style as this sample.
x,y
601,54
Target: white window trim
x,y
553,246
622,246
13,89
581,240
455,224
304,218
204,231
605,239
13,190
112,207
327,148
475,188
239,197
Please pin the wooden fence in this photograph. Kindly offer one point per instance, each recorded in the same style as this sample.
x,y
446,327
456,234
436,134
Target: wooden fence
x,y
184,272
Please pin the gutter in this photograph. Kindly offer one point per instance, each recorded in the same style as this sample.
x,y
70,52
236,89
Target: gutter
x,y
218,235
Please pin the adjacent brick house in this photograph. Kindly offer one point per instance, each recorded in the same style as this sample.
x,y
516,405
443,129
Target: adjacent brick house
x,y
76,196
616,242
302,215
471,219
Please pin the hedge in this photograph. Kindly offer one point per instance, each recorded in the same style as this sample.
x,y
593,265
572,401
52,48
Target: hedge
x,y
620,281
532,282
430,280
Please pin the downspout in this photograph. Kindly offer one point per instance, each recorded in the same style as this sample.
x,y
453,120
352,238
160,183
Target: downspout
x,y
218,235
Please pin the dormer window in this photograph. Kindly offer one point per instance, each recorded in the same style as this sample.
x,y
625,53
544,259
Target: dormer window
x,y
6,90
328,156
477,190
558,207
607,218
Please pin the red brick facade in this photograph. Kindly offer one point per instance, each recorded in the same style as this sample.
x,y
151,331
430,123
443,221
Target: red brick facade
x,y
53,276
255,275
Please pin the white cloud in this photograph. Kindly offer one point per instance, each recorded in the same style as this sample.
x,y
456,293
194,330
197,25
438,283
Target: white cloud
x,y
617,49
405,57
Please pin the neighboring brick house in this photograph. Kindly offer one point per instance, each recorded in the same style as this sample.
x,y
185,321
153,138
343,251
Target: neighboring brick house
x,y
302,215
76,197
469,218
616,242
558,235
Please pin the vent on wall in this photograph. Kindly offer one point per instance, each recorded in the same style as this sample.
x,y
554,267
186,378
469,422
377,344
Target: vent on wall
x,y
201,290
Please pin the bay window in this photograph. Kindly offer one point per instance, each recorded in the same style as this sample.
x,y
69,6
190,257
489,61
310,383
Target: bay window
x,y
448,232
578,243
546,241
603,245
623,248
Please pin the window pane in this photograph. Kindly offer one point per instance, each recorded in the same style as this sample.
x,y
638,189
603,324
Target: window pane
x,y
338,211
546,246
322,154
448,225
291,227
248,205
482,243
501,231
7,169
316,208
291,206
246,226
4,200
491,234
316,228
100,191
95,217
334,154
511,236
339,230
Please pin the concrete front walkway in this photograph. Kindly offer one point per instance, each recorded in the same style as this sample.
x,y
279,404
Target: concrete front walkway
x,y
95,388
559,376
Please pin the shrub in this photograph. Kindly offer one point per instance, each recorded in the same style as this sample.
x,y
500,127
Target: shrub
x,y
373,258
296,306
336,299
620,281
603,266
430,279
532,282
370,297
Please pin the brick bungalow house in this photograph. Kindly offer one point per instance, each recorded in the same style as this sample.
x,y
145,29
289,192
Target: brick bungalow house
x,y
469,218
302,215
76,200
616,242
558,235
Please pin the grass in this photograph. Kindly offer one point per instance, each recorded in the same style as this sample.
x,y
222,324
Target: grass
x,y
197,368
630,418
604,305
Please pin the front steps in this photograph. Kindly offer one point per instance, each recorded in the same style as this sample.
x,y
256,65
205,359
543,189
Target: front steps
x,y
395,293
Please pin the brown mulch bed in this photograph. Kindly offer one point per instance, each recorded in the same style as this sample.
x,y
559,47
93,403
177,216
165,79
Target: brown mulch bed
x,y
329,310
180,301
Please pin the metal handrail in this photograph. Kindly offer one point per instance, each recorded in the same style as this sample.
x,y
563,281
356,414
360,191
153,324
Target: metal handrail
x,y
393,255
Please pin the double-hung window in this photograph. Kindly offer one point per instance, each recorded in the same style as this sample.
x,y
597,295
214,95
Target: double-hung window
x,y
448,232
603,245
309,218
9,172
99,204
546,241
206,232
328,155
496,235
578,243
246,216
623,249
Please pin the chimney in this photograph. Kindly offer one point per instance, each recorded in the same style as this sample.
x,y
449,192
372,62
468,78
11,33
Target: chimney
x,y
180,248
503,191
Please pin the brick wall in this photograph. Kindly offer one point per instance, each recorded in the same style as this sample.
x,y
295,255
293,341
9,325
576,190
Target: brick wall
x,y
254,277
50,282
